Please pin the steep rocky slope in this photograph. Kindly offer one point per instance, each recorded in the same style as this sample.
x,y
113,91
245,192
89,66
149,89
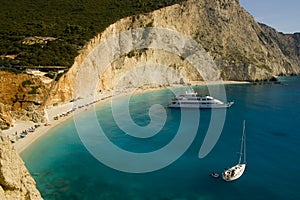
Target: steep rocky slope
x,y
21,97
240,47
289,44
15,181
6,119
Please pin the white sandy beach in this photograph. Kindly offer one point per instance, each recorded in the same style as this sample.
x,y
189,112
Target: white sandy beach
x,y
64,111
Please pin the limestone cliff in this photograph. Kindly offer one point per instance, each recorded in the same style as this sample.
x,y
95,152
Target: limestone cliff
x,y
240,48
15,181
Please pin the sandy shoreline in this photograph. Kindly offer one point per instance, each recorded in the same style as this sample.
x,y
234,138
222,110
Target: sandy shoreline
x,y
63,112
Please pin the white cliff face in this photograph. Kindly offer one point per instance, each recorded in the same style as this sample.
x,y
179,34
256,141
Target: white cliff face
x,y
192,41
15,180
141,57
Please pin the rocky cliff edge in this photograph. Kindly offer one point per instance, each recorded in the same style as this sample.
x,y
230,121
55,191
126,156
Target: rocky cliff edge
x,y
15,181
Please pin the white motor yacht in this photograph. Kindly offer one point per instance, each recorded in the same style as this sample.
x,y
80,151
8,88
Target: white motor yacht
x,y
194,100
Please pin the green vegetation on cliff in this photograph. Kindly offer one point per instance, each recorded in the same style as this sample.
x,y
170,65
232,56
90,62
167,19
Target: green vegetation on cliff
x,y
62,27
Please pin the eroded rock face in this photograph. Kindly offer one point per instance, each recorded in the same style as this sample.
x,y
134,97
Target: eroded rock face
x,y
240,47
15,181
289,44
21,97
5,117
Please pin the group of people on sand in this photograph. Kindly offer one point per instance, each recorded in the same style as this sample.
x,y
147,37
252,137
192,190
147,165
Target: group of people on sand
x,y
73,110
64,114
23,134
15,137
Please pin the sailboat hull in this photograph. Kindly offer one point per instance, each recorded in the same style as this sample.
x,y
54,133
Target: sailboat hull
x,y
234,172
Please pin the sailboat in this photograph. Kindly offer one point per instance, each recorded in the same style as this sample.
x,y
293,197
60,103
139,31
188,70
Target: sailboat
x,y
237,171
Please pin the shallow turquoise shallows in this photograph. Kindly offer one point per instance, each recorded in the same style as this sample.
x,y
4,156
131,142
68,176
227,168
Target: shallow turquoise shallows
x,y
64,169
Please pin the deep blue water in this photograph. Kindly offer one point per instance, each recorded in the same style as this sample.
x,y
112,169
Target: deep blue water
x,y
64,169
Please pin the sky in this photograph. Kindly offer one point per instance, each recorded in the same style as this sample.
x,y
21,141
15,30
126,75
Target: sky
x,y
283,15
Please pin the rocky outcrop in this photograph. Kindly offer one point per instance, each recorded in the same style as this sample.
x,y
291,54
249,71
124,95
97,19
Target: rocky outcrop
x,y
242,49
5,117
21,97
15,180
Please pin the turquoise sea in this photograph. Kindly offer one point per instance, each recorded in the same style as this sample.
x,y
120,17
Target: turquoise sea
x,y
64,169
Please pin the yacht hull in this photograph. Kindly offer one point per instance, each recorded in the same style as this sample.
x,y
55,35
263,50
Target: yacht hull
x,y
200,106
234,172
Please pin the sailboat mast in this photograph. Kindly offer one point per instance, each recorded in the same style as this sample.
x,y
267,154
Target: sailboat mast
x,y
244,141
243,144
